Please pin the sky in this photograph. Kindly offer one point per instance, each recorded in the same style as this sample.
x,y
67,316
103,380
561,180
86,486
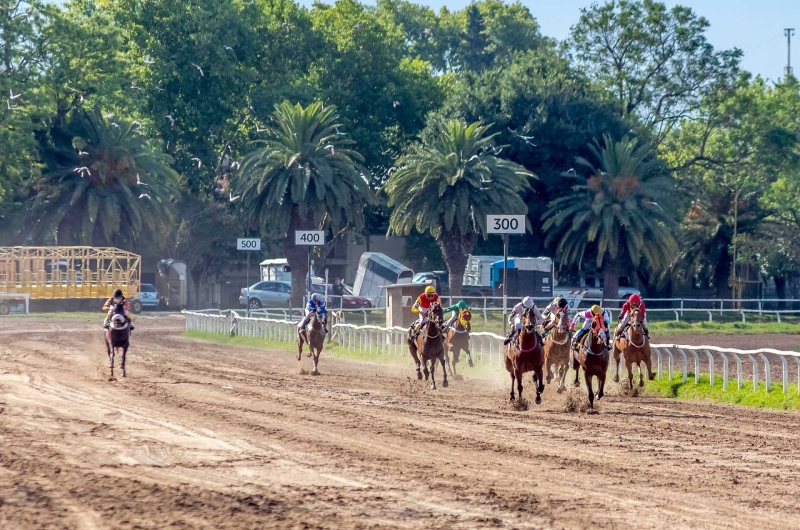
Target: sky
x,y
754,26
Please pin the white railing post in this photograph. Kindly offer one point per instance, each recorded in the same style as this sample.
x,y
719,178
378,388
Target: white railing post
x,y
685,364
755,373
710,367
767,372
724,371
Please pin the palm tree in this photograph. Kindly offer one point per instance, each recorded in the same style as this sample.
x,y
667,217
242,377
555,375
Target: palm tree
x,y
448,188
620,214
108,184
304,177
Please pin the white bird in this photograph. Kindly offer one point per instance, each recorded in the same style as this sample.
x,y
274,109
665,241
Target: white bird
x,y
171,119
81,153
133,86
259,129
386,151
473,157
148,61
286,26
72,89
330,146
115,125
199,162
139,181
8,104
391,170
497,150
13,97
427,32
232,198
213,136
395,104
108,115
82,170
198,69
235,164
145,196
136,122
228,48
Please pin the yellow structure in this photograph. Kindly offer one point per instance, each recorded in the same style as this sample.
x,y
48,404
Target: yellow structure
x,y
61,273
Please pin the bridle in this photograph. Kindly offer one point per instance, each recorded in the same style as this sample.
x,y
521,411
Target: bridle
x,y
561,315
636,325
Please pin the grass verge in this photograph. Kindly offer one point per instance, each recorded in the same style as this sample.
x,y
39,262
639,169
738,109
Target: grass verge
x,y
775,399
401,358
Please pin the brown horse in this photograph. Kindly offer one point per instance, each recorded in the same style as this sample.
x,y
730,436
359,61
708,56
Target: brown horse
x,y
556,349
118,338
525,354
636,349
592,358
458,339
314,335
428,344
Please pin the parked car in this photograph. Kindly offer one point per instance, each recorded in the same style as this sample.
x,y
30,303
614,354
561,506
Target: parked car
x,y
148,295
266,294
349,300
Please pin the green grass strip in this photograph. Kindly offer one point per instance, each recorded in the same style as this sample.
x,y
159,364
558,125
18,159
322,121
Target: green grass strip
x,y
775,399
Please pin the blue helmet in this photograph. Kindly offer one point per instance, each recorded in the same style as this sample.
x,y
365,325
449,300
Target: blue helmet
x,y
314,297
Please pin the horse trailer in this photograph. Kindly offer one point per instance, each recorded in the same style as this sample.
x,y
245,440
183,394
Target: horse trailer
x,y
375,270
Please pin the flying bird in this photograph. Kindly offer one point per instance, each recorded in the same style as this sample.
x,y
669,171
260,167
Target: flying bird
x,y
199,162
147,60
139,181
395,104
133,86
198,69
8,104
81,153
330,146
145,196
13,97
228,48
232,198
235,164
82,170
171,120
115,125
286,26
213,136
259,129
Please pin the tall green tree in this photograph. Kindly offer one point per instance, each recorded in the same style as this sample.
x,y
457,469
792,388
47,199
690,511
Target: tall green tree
x,y
448,186
304,176
106,184
623,214
655,63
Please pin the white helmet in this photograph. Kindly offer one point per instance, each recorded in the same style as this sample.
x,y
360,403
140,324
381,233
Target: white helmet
x,y
527,301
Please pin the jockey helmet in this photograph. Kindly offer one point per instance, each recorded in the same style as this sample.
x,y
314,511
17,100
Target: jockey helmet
x,y
314,297
527,301
562,302
596,309
462,304
430,290
118,293
635,299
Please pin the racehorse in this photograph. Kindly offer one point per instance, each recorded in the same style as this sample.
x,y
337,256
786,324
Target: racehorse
x,y
636,349
428,345
314,335
525,354
556,349
118,337
593,358
458,339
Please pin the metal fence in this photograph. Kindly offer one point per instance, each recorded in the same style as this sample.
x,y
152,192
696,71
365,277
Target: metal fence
x,y
487,348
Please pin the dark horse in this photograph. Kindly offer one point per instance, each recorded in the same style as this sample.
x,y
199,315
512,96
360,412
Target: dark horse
x,y
458,339
525,354
118,337
593,358
314,335
428,345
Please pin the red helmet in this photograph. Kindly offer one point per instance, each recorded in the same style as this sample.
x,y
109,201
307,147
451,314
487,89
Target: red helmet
x,y
635,299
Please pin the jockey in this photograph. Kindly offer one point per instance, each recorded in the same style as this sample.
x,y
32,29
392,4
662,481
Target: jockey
x,y
315,305
456,309
111,304
634,302
549,312
515,318
587,323
423,306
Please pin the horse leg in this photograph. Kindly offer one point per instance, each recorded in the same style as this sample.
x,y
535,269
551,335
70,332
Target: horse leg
x,y
562,375
300,342
629,366
124,357
512,385
576,365
425,368
412,348
538,380
601,380
433,372
616,362
641,373
588,379
518,375
317,352
444,370
550,374
469,358
649,365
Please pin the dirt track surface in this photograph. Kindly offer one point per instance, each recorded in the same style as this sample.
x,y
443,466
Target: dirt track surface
x,y
204,437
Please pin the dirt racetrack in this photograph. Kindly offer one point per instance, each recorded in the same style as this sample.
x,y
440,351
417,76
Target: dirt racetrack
x,y
201,436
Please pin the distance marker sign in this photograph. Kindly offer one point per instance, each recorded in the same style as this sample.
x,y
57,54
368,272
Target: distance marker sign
x,y
505,224
309,237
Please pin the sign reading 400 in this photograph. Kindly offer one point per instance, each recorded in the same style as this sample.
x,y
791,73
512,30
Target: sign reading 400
x,y
505,224
309,237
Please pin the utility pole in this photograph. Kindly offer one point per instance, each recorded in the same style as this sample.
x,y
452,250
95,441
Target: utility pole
x,y
789,32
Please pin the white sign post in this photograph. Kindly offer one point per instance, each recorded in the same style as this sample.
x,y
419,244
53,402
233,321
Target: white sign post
x,y
248,244
309,238
505,225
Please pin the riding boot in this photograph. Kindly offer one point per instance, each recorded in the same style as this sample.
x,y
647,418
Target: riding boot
x,y
508,337
577,338
608,342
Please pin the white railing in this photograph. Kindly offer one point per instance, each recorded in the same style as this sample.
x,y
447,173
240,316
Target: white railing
x,y
487,348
